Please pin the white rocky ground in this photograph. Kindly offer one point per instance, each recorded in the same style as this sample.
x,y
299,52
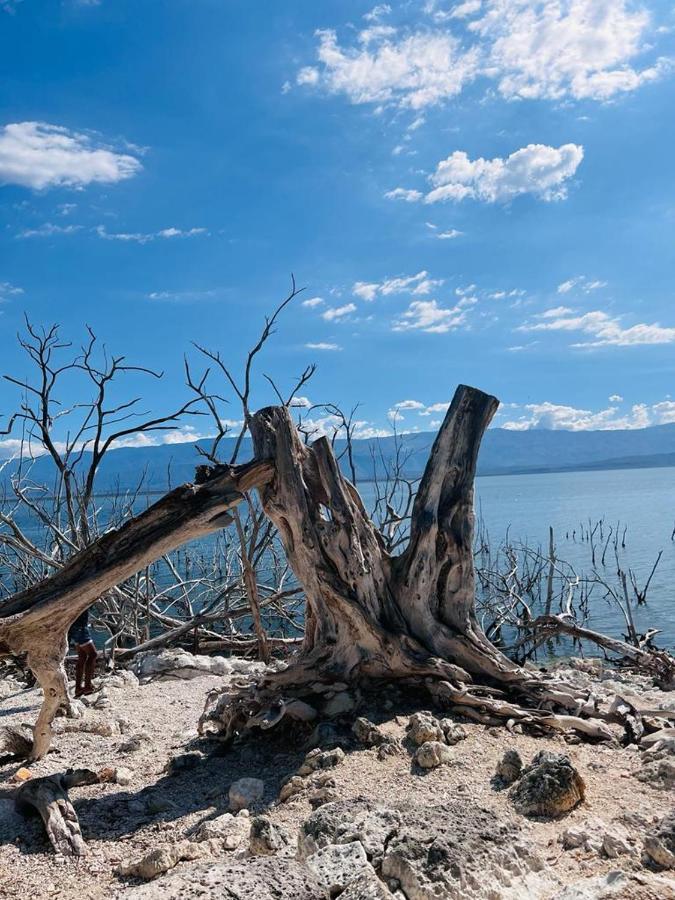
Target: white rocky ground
x,y
448,831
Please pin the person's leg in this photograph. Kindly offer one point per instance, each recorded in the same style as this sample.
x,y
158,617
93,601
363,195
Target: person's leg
x,y
89,666
79,668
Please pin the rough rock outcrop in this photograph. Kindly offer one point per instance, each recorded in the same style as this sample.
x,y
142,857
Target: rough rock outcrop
x,y
660,843
423,727
549,786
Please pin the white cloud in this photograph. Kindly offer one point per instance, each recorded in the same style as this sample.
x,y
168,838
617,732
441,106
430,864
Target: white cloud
x,y
338,312
414,71
537,169
404,405
399,193
427,315
7,290
449,235
313,302
301,403
603,329
376,13
48,229
322,345
180,296
38,155
550,49
419,285
566,48
555,416
615,398
140,237
582,283
435,408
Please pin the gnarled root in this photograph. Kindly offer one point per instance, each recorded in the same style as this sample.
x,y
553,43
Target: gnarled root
x,y
49,797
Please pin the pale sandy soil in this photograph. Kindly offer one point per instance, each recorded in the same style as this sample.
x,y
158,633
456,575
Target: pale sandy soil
x,y
122,823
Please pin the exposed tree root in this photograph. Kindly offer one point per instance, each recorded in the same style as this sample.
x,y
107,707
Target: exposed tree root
x,y
49,797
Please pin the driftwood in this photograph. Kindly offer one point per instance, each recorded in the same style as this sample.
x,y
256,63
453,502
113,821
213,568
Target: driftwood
x,y
36,621
371,616
49,797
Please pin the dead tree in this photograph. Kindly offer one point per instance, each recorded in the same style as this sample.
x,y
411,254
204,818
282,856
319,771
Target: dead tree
x,y
49,797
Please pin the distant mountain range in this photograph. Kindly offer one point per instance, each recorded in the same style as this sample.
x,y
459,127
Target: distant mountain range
x,y
503,452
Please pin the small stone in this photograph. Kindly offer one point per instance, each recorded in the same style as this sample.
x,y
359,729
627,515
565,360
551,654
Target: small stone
x,y
323,795
585,836
21,775
227,830
432,754
338,705
134,743
660,843
453,732
265,838
509,767
367,733
154,863
423,727
295,785
123,776
336,865
390,747
549,786
321,759
245,793
184,762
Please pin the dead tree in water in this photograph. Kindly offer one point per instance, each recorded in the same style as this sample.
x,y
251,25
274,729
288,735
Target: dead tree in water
x,y
370,616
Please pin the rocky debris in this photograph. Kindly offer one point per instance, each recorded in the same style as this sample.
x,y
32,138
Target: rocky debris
x,y
549,786
423,727
367,886
433,754
266,838
245,793
453,732
658,764
184,762
15,741
160,860
509,768
603,887
134,743
260,878
229,831
103,700
321,759
123,776
660,737
122,678
178,663
659,843
100,727
595,836
451,851
336,865
323,795
366,732
296,784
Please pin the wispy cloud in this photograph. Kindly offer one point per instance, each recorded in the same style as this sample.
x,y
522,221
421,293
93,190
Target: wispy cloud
x,y
38,155
338,312
145,237
8,290
603,329
49,229
419,285
313,302
581,283
323,346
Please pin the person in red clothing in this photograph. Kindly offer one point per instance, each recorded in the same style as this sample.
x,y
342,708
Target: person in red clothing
x,y
85,667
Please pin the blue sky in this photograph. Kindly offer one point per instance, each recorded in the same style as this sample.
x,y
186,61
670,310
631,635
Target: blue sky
x,y
476,192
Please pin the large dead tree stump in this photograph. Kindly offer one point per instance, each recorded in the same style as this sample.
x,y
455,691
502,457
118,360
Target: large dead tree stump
x,y
371,616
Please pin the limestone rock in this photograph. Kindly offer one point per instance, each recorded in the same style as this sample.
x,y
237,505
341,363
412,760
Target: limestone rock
x,y
321,759
433,754
160,860
509,767
265,838
602,887
549,786
345,821
453,732
260,878
658,764
336,865
367,887
660,843
178,663
123,776
245,793
423,727
230,831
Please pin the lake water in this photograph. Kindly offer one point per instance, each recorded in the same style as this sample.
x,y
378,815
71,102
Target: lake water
x,y
641,499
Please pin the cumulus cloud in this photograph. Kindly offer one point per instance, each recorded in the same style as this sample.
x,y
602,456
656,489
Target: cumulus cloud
x,y
38,155
399,193
419,285
322,345
537,49
555,416
537,169
428,316
615,398
313,302
603,329
338,312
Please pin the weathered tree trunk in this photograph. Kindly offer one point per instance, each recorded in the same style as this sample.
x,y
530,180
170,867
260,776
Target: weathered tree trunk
x,y
371,616
36,621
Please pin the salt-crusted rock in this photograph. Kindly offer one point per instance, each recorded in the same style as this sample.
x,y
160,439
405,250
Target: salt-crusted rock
x,y
423,727
549,786
432,754
509,767
178,663
230,831
245,793
336,865
265,838
321,759
260,878
660,843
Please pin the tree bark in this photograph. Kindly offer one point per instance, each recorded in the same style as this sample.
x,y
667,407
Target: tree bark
x,y
49,797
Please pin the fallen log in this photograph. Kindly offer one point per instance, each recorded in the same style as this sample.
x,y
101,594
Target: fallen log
x,y
49,797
